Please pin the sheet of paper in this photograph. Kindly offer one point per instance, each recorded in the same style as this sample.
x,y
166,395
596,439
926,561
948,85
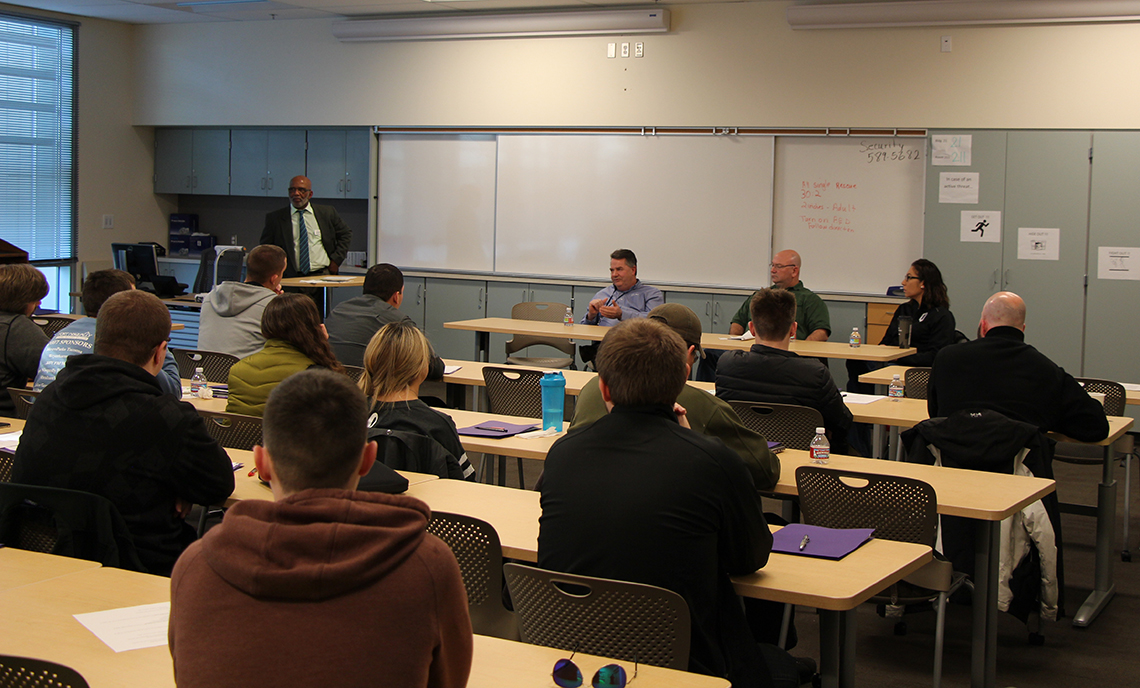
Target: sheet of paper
x,y
853,398
741,337
10,440
129,628
981,226
1130,386
958,187
451,370
1038,244
1118,263
951,149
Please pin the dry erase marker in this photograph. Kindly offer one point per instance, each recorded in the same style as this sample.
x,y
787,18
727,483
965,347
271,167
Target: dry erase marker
x,y
804,542
253,472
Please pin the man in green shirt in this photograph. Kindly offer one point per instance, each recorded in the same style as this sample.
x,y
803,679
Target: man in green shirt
x,y
812,320
706,413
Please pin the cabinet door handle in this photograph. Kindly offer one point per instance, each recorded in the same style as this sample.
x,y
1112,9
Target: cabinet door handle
x,y
524,295
348,185
270,182
419,294
1006,284
708,307
188,181
340,186
263,183
479,303
194,181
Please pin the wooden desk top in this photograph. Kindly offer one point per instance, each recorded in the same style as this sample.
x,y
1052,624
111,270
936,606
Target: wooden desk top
x,y
471,373
883,376
836,585
508,446
19,567
324,281
710,340
37,622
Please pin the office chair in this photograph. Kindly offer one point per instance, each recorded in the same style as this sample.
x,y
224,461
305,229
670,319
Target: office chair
x,y
512,392
23,399
916,382
545,312
50,324
25,672
792,425
215,365
479,552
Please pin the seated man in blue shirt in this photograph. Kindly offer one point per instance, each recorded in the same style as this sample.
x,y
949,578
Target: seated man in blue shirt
x,y
79,337
625,299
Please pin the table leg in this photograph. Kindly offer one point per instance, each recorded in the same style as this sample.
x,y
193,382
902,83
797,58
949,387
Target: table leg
x,y
830,656
1103,586
482,346
876,440
983,654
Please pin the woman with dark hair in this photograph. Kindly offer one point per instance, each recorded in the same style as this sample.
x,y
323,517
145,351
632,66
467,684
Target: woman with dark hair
x,y
932,323
21,340
295,340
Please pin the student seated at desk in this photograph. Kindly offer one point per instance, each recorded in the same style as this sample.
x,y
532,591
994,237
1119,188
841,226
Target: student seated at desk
x,y
638,496
396,363
326,585
21,288
295,341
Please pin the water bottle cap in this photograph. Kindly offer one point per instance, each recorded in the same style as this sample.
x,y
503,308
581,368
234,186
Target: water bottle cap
x,y
820,431
197,370
895,377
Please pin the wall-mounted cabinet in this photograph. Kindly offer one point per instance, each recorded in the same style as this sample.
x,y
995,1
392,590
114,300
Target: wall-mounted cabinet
x,y
192,161
262,161
338,162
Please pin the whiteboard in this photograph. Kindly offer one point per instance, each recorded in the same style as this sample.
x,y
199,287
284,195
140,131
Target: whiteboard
x,y
852,208
695,209
437,202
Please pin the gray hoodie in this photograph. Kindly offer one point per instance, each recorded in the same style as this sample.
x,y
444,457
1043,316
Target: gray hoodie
x,y
231,318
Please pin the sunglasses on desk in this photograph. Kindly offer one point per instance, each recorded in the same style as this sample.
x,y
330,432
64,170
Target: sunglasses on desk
x,y
566,674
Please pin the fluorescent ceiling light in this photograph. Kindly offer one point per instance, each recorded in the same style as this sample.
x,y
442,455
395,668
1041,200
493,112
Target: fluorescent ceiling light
x,y
531,24
849,15
202,3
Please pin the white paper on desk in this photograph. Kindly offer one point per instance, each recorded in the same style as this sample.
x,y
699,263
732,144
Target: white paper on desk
x,y
742,337
10,440
1130,386
853,398
451,370
129,628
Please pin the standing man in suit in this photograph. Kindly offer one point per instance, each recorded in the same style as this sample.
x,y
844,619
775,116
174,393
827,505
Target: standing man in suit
x,y
327,237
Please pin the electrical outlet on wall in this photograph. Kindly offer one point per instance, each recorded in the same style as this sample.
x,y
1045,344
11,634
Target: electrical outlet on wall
x,y
108,222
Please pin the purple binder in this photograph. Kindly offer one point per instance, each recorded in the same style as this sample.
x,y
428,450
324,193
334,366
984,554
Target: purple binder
x,y
825,543
494,428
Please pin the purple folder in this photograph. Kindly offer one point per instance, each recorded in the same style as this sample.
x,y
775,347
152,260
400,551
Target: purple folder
x,y
494,428
825,543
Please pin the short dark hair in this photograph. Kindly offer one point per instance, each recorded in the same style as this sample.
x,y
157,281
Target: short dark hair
x,y
773,311
20,285
383,280
102,285
314,428
263,262
626,255
936,294
130,326
642,362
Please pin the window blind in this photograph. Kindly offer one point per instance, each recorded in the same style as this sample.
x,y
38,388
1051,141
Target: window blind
x,y
37,136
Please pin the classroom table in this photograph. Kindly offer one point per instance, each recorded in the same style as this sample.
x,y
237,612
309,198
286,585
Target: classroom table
x,y
20,567
324,282
483,327
836,588
883,376
38,622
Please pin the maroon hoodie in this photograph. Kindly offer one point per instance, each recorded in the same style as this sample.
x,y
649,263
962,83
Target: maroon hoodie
x,y
325,587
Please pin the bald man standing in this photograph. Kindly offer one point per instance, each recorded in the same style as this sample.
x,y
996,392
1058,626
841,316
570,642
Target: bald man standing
x,y
1000,372
314,237
813,322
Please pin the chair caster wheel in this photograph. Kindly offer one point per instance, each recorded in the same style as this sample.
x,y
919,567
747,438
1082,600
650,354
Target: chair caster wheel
x,y
900,628
1036,639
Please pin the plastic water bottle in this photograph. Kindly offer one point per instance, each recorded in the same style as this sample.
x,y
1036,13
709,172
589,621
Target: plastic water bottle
x,y
568,319
553,399
856,340
820,448
896,390
198,383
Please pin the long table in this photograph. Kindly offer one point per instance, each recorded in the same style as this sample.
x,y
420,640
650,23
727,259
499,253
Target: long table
x,y
836,588
37,622
483,327
883,376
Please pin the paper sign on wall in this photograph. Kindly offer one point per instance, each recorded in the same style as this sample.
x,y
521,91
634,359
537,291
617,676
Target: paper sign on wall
x,y
951,149
981,225
1038,244
958,187
1116,262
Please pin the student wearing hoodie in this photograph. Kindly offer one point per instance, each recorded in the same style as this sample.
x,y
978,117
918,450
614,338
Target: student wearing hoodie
x,y
231,313
324,585
105,426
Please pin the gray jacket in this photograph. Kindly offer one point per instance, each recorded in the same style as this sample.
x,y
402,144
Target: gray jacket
x,y
231,318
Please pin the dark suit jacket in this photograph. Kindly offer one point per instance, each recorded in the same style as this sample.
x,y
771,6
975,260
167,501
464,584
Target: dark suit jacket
x,y
335,234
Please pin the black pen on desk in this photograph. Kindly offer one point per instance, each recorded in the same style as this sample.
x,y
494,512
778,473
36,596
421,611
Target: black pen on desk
x,y
490,428
804,542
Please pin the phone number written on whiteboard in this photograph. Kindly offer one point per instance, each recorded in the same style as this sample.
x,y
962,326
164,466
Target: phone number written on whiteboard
x,y
888,151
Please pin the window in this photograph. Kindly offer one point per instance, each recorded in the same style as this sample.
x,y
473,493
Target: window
x,y
37,139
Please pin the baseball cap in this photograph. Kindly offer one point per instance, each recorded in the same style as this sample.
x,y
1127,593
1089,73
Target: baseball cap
x,y
682,320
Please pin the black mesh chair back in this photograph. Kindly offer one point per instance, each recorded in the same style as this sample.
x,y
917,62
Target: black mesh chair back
x,y
545,312
915,383
480,555
215,365
513,392
6,458
792,425
23,399
51,324
204,280
67,523
232,430
901,509
354,372
1114,394
24,672
626,621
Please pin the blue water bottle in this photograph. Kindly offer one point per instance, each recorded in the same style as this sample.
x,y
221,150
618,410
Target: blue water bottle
x,y
553,399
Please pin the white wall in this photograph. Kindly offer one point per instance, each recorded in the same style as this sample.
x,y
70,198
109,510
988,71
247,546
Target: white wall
x,y
722,64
